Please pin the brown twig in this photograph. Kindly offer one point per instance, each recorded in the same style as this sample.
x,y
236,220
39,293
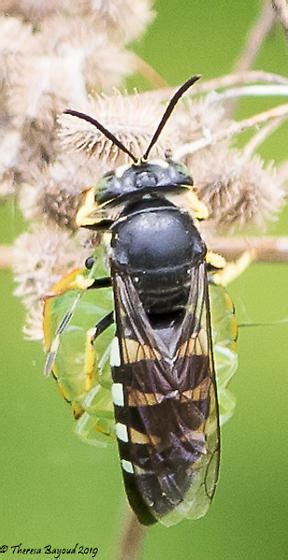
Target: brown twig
x,y
131,539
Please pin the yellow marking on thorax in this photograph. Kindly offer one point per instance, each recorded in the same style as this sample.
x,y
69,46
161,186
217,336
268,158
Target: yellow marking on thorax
x,y
189,201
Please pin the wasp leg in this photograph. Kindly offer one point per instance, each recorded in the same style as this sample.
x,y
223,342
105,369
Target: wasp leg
x,y
83,283
90,362
102,325
223,273
101,283
90,356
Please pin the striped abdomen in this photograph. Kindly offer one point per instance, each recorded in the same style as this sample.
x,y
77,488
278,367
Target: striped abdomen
x,y
160,424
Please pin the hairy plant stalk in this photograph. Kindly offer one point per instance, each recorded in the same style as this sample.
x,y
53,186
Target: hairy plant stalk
x,y
261,136
254,41
234,128
132,537
255,38
265,249
148,72
258,90
222,82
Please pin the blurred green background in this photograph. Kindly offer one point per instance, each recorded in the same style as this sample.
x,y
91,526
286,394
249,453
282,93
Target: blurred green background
x,y
57,490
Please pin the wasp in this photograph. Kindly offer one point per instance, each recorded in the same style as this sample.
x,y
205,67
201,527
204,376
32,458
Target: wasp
x,y
163,374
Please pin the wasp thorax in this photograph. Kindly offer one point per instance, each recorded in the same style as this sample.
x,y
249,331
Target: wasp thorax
x,y
158,245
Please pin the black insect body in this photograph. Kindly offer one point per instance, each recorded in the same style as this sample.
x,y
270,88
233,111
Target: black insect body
x,y
164,390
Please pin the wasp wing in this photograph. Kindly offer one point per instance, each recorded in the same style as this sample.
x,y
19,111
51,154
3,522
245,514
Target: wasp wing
x,y
166,406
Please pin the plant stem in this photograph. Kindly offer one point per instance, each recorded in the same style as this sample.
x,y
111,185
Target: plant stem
x,y
131,538
261,136
148,72
234,128
221,82
259,90
265,249
252,46
255,38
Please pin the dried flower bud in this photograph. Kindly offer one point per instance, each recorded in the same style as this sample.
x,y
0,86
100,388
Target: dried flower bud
x,y
128,118
237,192
7,183
198,119
53,194
10,147
41,257
33,10
15,40
42,86
122,19
78,42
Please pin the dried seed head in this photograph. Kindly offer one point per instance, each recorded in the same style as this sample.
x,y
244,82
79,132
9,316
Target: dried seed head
x,y
40,258
15,41
42,85
39,144
77,40
54,193
124,20
283,174
128,118
33,10
33,326
237,192
20,149
7,183
10,155
198,119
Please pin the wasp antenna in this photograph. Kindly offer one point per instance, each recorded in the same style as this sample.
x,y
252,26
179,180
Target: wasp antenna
x,y
102,129
177,95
